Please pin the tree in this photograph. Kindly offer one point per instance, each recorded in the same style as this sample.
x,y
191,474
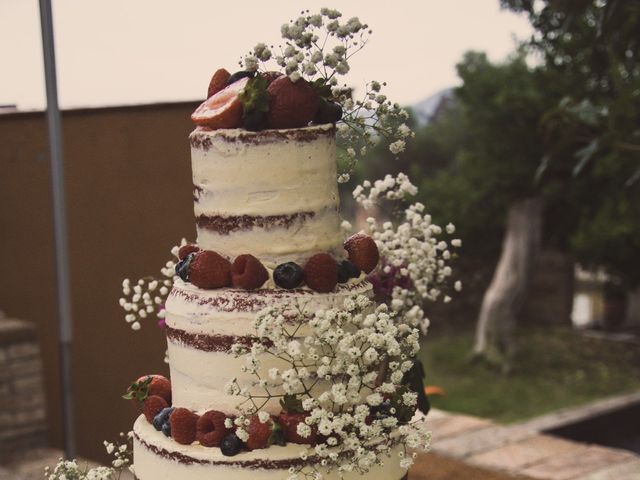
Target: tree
x,y
594,129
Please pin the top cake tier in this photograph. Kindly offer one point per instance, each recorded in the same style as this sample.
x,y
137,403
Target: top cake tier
x,y
271,193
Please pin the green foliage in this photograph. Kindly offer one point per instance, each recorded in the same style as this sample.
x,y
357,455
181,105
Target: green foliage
x,y
593,132
255,97
550,370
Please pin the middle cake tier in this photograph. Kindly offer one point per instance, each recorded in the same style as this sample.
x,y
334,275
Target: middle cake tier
x,y
202,326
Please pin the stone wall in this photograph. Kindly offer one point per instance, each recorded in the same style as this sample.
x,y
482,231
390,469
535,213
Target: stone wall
x,y
22,400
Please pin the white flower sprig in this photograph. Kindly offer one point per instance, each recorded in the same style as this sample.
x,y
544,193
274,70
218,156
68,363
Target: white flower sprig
x,y
331,360
146,297
414,266
121,451
318,48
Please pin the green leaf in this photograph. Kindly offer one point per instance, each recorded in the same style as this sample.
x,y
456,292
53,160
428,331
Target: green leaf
x,y
322,88
291,404
255,97
277,435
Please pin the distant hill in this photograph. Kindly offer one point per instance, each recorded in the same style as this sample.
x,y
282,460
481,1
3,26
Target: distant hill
x,y
426,110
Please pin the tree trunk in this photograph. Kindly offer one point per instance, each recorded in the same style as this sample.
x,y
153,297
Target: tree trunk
x,y
505,296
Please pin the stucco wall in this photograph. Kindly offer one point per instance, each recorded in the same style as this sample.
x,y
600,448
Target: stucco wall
x,y
129,200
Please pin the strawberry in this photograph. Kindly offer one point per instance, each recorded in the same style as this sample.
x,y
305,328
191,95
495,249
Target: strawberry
x,y
292,104
247,272
289,423
152,406
183,426
210,429
223,109
321,273
148,385
209,269
187,249
363,251
260,434
218,81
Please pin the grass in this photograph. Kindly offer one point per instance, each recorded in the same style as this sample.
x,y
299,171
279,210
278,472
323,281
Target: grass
x,y
551,369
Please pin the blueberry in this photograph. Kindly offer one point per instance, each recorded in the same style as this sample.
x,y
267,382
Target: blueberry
x,y
288,275
238,75
182,268
161,417
254,120
347,270
328,112
166,428
230,445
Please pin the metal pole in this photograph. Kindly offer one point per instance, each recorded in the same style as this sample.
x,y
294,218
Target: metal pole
x,y
60,227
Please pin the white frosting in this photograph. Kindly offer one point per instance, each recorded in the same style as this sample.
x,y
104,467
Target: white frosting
x,y
236,176
149,465
198,377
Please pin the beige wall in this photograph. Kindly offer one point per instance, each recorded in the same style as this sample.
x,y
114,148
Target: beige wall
x,y
129,200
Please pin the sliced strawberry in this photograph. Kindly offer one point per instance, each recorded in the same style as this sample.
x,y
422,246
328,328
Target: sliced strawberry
x,y
222,110
218,81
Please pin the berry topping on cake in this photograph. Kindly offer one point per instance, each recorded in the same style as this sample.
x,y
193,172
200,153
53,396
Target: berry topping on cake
x,y
182,267
187,249
209,269
210,429
363,251
240,75
247,272
289,424
347,270
231,445
166,429
218,81
328,112
260,433
183,426
222,110
292,104
152,406
321,273
162,418
148,385
288,275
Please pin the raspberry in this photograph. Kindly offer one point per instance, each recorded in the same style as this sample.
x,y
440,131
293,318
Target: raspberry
x,y
152,406
363,251
259,433
321,273
247,272
209,270
183,426
210,429
186,250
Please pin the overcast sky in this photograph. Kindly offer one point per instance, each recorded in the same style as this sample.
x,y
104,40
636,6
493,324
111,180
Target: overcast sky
x,y
114,52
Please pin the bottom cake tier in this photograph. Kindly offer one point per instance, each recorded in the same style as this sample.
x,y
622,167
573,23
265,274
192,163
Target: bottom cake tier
x,y
157,457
